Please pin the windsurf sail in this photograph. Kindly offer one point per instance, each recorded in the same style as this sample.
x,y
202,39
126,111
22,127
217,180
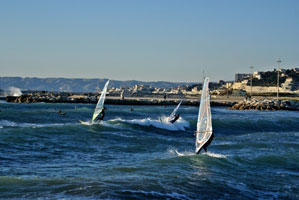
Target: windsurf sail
x,y
100,104
204,121
172,115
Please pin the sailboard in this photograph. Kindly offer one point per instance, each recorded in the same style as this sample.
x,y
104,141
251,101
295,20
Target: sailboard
x,y
99,106
85,123
172,115
204,122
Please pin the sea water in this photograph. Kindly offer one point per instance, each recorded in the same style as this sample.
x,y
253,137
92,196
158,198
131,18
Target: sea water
x,y
139,155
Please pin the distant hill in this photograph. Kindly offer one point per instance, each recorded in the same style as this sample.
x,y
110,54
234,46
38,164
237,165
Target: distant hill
x,y
75,84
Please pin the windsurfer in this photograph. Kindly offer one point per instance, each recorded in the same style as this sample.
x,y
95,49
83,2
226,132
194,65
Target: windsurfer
x,y
206,144
176,117
60,112
102,114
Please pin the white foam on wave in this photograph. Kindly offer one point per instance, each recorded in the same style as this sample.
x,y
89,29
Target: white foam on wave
x,y
107,124
174,151
13,91
185,153
88,123
214,155
162,123
101,123
6,123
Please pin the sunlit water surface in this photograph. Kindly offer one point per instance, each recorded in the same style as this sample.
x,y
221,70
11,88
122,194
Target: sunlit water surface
x,y
138,155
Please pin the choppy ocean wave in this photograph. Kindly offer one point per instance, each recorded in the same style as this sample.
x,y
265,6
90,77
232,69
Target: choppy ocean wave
x,y
162,123
174,151
140,155
6,123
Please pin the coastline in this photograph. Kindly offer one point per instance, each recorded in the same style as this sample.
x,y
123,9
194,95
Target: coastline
x,y
119,101
231,102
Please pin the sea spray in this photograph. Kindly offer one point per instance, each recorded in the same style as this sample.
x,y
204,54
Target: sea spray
x,y
13,91
162,123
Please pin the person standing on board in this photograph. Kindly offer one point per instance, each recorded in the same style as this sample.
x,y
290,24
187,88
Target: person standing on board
x,y
101,115
176,117
206,144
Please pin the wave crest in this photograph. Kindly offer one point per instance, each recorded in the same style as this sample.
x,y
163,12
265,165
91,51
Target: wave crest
x,y
162,123
6,123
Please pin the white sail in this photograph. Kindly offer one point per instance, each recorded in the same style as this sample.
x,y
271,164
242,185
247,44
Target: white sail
x,y
204,122
100,104
172,115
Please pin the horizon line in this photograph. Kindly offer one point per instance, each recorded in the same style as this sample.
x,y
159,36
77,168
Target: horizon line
x,y
106,79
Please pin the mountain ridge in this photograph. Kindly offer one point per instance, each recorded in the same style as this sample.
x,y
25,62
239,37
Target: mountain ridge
x,y
77,84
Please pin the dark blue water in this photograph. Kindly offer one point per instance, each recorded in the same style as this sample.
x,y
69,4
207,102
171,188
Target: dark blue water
x,y
132,155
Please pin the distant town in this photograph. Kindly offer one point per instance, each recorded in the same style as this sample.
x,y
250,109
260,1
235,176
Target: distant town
x,y
257,83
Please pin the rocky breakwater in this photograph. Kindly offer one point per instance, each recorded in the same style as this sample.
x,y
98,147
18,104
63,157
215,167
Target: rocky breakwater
x,y
51,98
69,98
266,105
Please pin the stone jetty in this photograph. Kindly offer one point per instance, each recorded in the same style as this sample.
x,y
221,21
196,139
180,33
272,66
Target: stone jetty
x,y
64,97
70,98
266,105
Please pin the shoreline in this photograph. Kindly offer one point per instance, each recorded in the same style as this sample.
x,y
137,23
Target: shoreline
x,y
231,102
118,101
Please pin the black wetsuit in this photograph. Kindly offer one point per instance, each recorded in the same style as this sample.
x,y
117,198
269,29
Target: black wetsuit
x,y
206,144
60,112
176,117
102,115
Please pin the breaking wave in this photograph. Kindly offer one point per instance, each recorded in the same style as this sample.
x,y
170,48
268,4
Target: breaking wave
x,y
6,123
13,91
162,123
215,155
174,151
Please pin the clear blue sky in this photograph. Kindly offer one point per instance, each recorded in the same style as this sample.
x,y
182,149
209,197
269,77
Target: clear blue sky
x,y
150,40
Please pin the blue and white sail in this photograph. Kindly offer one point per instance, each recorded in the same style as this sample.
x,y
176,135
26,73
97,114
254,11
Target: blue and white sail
x,y
204,122
100,104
